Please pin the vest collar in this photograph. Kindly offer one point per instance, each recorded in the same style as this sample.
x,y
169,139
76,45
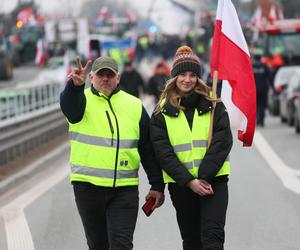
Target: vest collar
x,y
95,92
203,106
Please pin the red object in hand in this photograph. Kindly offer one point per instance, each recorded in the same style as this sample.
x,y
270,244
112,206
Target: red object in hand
x,y
148,206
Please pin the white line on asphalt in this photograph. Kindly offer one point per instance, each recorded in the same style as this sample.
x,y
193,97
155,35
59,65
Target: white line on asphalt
x,y
17,230
297,172
286,174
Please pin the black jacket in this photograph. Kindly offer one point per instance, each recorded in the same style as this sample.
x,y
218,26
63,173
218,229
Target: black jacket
x,y
217,152
73,101
132,82
262,81
156,84
261,76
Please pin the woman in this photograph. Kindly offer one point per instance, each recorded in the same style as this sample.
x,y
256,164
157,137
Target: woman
x,y
197,174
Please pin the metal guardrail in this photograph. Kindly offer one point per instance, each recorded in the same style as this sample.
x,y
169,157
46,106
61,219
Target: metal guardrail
x,y
19,101
21,134
30,114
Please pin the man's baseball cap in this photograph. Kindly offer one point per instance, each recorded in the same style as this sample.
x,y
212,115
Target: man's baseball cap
x,y
105,62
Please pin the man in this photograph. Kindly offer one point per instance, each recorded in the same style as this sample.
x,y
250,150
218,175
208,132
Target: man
x,y
109,136
262,80
131,80
158,80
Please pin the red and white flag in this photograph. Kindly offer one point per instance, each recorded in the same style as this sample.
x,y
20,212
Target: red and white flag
x,y
256,19
230,57
40,57
272,14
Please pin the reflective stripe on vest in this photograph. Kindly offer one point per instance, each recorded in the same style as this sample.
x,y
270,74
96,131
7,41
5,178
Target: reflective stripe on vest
x,y
101,141
102,172
104,143
189,145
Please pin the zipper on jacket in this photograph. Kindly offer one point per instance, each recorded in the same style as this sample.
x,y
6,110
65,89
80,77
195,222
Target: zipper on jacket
x,y
111,128
118,142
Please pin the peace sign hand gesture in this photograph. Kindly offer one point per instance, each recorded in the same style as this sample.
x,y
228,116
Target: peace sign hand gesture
x,y
78,74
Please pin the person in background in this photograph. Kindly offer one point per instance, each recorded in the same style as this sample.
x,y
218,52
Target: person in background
x,y
157,81
131,81
196,173
109,137
262,81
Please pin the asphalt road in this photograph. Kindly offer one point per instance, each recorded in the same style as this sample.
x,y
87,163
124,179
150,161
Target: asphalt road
x,y
21,74
263,211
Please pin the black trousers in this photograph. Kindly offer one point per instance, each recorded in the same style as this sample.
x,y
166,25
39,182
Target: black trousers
x,y
108,215
261,106
260,115
201,220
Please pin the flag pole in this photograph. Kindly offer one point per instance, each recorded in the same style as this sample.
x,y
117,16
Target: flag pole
x,y
214,96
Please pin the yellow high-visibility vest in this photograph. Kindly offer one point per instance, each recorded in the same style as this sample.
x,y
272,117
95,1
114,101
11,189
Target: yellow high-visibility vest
x,y
104,144
189,145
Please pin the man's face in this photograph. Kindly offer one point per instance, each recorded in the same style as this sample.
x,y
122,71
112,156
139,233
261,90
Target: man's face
x,y
105,81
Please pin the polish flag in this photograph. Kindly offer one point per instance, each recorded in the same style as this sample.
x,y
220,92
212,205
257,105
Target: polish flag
x,y
103,13
256,22
256,19
230,57
39,55
272,14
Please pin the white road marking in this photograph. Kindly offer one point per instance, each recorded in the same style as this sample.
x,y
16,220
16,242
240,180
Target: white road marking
x,y
17,230
297,172
286,174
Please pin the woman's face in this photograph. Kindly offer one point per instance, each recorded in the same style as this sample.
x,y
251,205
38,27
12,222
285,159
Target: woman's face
x,y
186,82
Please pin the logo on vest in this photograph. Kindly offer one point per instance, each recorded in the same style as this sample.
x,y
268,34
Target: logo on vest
x,y
124,163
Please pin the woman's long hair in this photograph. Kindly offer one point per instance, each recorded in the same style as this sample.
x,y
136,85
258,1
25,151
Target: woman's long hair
x,y
171,95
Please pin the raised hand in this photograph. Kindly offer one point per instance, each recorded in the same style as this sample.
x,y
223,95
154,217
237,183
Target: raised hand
x,y
79,74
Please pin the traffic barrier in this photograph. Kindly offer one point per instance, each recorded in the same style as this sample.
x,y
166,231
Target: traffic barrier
x,y
19,101
23,133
